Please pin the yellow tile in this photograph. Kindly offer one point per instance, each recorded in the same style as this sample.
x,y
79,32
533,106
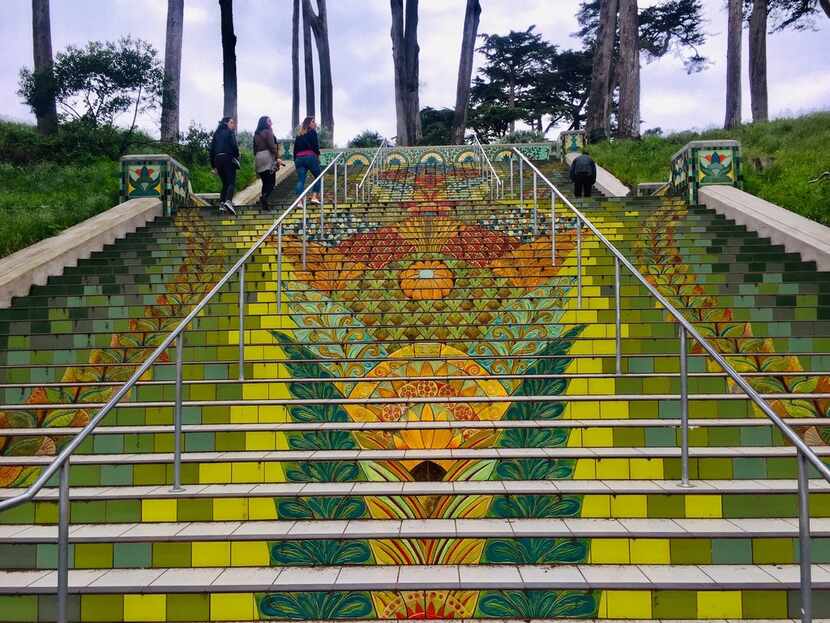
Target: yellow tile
x,y
277,391
247,472
589,366
272,415
575,439
274,472
646,469
578,387
601,387
602,608
650,552
629,506
609,552
614,410
250,554
629,604
586,469
605,347
703,506
598,438
598,506
258,391
211,554
145,608
231,606
261,509
215,473
230,509
613,469
158,510
585,410
260,440
719,605
244,414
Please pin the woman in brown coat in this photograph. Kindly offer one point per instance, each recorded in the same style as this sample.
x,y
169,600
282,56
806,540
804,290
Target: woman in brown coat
x,y
266,159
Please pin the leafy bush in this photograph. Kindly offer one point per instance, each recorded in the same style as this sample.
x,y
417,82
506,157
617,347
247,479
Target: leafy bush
x,y
367,138
523,136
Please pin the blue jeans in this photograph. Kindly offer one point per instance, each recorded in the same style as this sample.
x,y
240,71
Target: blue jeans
x,y
304,164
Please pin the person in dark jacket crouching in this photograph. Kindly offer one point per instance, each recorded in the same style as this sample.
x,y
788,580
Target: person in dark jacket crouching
x,y
583,175
224,158
307,157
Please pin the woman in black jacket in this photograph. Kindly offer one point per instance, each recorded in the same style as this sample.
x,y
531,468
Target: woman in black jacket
x,y
224,158
307,157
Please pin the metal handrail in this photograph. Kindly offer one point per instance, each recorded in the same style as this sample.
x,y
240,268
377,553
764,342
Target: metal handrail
x,y
805,454
499,190
61,461
360,189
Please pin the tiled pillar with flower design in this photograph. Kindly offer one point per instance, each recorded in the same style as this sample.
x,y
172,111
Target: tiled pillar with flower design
x,y
705,163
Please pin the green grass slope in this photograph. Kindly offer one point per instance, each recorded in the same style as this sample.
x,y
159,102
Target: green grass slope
x,y
780,158
48,185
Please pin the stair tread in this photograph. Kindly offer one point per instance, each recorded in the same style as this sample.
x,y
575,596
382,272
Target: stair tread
x,y
418,577
416,528
460,487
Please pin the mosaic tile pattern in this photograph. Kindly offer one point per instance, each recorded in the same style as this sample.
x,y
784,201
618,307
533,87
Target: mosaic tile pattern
x,y
429,291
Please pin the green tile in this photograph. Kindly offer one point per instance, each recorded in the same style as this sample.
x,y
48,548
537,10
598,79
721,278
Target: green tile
x,y
731,551
172,554
188,607
665,506
123,511
194,509
132,556
93,555
688,552
18,608
18,555
102,608
674,605
94,511
749,468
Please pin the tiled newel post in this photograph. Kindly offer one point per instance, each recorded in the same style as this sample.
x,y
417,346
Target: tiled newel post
x,y
572,141
155,175
705,163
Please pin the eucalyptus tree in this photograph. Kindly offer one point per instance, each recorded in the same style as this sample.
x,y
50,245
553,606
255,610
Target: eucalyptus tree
x,y
172,71
472,17
229,82
319,25
295,66
405,57
44,106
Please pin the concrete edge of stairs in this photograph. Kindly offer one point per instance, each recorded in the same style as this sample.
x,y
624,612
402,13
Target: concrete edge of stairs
x,y
36,263
251,193
607,183
418,577
797,233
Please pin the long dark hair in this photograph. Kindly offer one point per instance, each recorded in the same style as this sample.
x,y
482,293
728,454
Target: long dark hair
x,y
262,124
304,126
223,122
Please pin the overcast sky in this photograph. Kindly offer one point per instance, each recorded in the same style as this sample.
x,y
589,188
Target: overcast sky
x,y
799,62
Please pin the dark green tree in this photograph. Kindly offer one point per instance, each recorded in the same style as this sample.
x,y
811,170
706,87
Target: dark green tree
x,y
367,138
97,83
436,125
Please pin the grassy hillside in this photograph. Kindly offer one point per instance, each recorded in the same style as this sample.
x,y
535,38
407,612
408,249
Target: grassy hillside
x,y
47,185
780,158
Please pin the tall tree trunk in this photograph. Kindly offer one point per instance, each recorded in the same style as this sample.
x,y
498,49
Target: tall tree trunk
x,y
758,61
295,66
511,103
319,25
405,53
228,59
465,70
46,110
825,4
733,65
599,97
629,117
308,67
172,71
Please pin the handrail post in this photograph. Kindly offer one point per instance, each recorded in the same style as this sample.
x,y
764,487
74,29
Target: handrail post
x,y
63,544
684,409
322,203
578,263
334,188
242,322
305,232
345,181
177,418
535,204
618,316
804,545
512,189
279,270
521,180
552,228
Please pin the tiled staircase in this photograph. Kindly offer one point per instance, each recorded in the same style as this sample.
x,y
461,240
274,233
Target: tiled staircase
x,y
429,427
